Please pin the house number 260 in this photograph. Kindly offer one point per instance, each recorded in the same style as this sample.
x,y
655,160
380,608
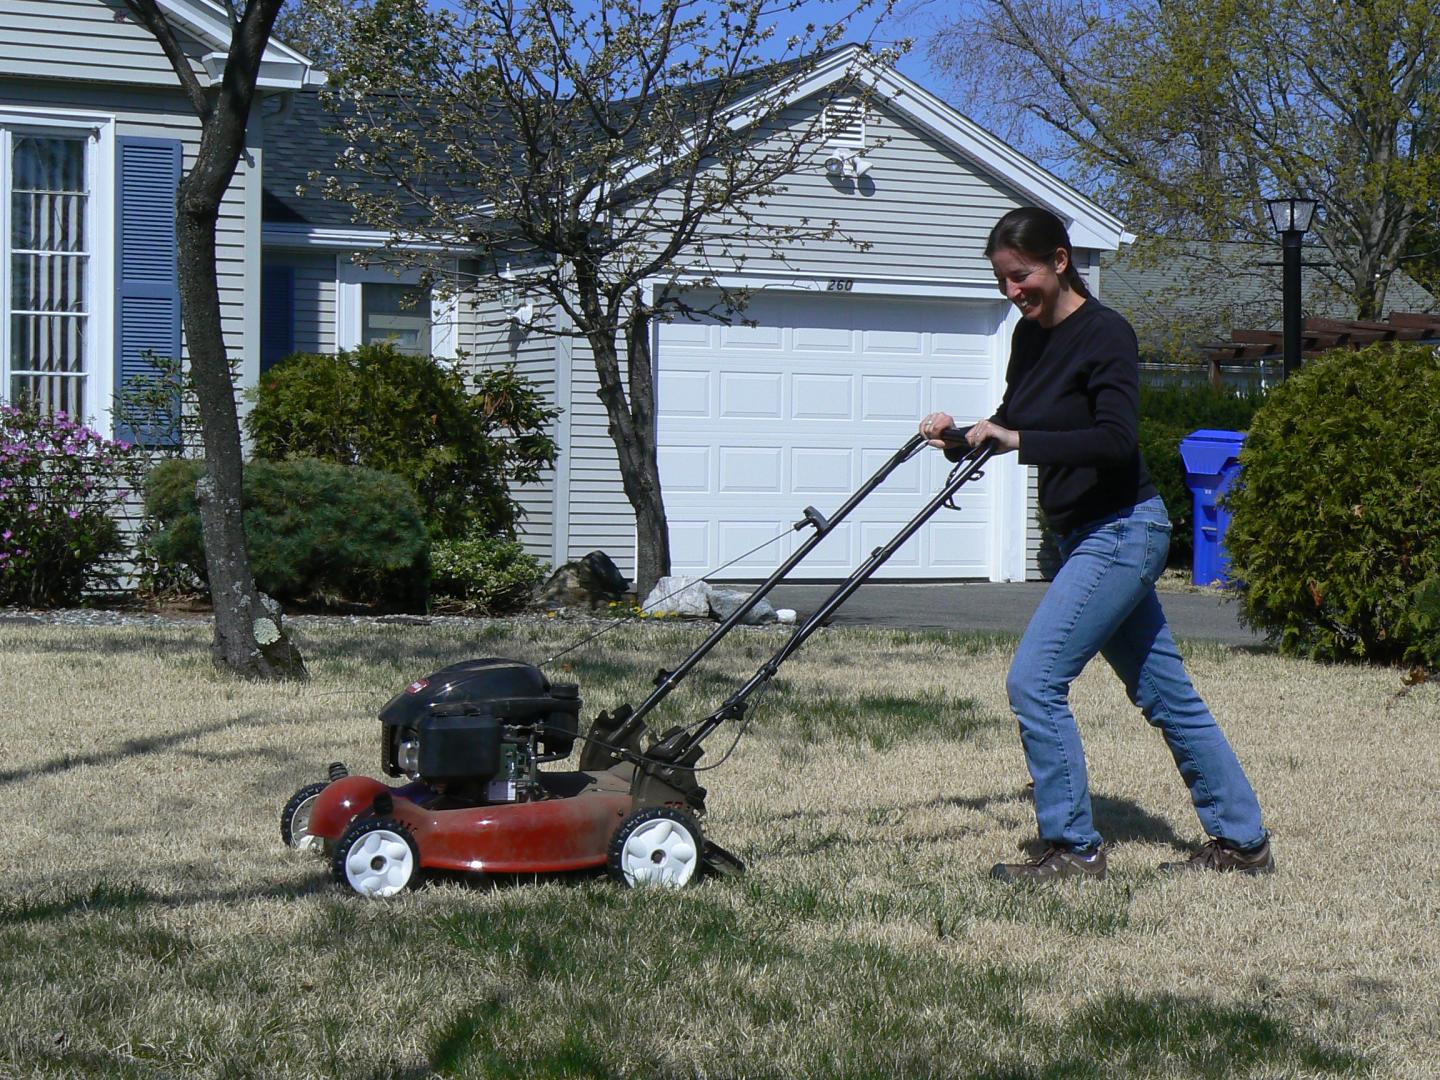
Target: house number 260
x,y
839,285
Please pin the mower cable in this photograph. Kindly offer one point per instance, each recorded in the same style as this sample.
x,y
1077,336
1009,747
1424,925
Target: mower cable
x,y
744,726
640,612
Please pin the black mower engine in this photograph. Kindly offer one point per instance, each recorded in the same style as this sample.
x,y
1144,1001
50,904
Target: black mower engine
x,y
477,731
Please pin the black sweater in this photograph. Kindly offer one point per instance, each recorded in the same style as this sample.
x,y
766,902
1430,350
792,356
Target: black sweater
x,y
1072,391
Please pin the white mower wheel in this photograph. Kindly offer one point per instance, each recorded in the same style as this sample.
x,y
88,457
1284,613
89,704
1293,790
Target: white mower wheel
x,y
295,819
657,845
377,857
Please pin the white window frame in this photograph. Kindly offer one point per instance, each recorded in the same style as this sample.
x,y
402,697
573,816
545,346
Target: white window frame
x,y
99,129
350,277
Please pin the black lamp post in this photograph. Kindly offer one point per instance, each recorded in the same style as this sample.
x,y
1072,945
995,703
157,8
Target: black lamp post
x,y
1291,218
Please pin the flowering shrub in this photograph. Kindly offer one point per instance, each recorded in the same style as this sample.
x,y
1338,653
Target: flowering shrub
x,y
59,483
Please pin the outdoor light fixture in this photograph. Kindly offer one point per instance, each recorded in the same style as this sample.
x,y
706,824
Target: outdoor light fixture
x,y
518,310
1291,215
842,163
1291,218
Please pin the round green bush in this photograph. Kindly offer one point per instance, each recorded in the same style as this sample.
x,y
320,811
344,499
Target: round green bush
x,y
317,532
460,444
485,574
1335,534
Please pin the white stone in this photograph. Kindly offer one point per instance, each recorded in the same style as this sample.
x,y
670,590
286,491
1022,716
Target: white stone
x,y
679,595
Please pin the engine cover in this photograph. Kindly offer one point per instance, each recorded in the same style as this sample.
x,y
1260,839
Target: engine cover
x,y
459,713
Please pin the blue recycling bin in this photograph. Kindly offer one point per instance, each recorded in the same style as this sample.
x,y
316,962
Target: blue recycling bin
x,y
1212,462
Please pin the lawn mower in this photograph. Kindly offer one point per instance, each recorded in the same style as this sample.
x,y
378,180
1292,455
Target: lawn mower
x,y
470,740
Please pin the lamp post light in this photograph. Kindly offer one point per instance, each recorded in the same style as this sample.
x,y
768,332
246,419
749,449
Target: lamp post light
x,y
1291,219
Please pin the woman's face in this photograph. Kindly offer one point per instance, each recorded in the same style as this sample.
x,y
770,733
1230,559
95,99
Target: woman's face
x,y
1035,286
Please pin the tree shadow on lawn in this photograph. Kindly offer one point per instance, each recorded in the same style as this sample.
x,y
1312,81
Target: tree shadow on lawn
x,y
131,748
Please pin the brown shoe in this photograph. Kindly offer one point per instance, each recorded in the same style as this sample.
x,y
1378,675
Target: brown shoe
x,y
1218,855
1056,862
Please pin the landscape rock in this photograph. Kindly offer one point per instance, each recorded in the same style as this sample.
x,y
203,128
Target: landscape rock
x,y
586,582
724,602
679,595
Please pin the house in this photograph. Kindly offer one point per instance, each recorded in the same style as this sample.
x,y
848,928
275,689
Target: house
x,y
847,348
94,135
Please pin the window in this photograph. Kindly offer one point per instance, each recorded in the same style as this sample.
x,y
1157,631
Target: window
x,y
47,244
398,314
379,303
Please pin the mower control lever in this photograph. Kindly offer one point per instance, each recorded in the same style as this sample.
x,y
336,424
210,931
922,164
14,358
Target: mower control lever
x,y
813,517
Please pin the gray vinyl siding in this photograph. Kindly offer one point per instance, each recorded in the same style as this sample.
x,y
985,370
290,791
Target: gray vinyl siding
x,y
56,39
166,115
923,210
600,515
487,338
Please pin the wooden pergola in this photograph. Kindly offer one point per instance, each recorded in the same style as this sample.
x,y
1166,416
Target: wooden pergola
x,y
1318,335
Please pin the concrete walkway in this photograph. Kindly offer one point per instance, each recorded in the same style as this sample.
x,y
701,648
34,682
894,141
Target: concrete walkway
x,y
1198,616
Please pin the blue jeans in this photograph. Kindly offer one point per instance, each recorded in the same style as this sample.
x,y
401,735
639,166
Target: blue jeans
x,y
1103,601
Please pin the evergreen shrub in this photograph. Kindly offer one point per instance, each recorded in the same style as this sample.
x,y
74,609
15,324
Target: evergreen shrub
x,y
1335,533
460,443
317,532
484,574
1167,415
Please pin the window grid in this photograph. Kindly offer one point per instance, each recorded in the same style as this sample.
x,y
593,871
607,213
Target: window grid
x,y
45,238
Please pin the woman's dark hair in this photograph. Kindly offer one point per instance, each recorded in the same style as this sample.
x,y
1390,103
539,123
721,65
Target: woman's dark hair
x,y
1037,234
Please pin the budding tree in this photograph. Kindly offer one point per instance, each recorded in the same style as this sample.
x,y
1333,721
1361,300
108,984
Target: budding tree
x,y
614,158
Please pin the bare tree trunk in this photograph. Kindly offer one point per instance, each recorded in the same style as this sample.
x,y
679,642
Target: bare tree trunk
x,y
631,427
250,639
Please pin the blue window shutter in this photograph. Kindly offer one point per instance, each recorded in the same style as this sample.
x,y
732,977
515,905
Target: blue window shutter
x,y
147,285
277,314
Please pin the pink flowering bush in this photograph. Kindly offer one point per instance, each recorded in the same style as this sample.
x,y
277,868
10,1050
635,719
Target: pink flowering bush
x,y
59,485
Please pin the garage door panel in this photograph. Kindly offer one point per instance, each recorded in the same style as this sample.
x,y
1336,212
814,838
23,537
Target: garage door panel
x,y
822,397
685,469
875,534
822,471
682,335
741,337
822,339
758,422
690,542
891,398
959,546
966,399
684,393
895,343
908,479
736,538
751,394
751,469
835,556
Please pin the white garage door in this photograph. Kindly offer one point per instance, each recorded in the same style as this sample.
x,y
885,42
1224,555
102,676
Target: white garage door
x,y
757,422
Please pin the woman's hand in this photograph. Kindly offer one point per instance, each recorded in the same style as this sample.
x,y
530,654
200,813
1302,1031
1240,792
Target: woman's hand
x,y
933,425
1007,439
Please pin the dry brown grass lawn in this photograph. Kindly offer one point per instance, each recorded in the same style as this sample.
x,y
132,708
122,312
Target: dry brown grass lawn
x,y
154,926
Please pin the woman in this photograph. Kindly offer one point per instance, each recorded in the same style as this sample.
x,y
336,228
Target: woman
x,y
1071,407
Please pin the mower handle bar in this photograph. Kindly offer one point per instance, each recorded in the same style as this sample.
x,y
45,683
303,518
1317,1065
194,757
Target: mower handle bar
x,y
969,469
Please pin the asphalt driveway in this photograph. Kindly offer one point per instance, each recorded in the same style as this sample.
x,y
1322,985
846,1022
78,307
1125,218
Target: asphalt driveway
x,y
1199,615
